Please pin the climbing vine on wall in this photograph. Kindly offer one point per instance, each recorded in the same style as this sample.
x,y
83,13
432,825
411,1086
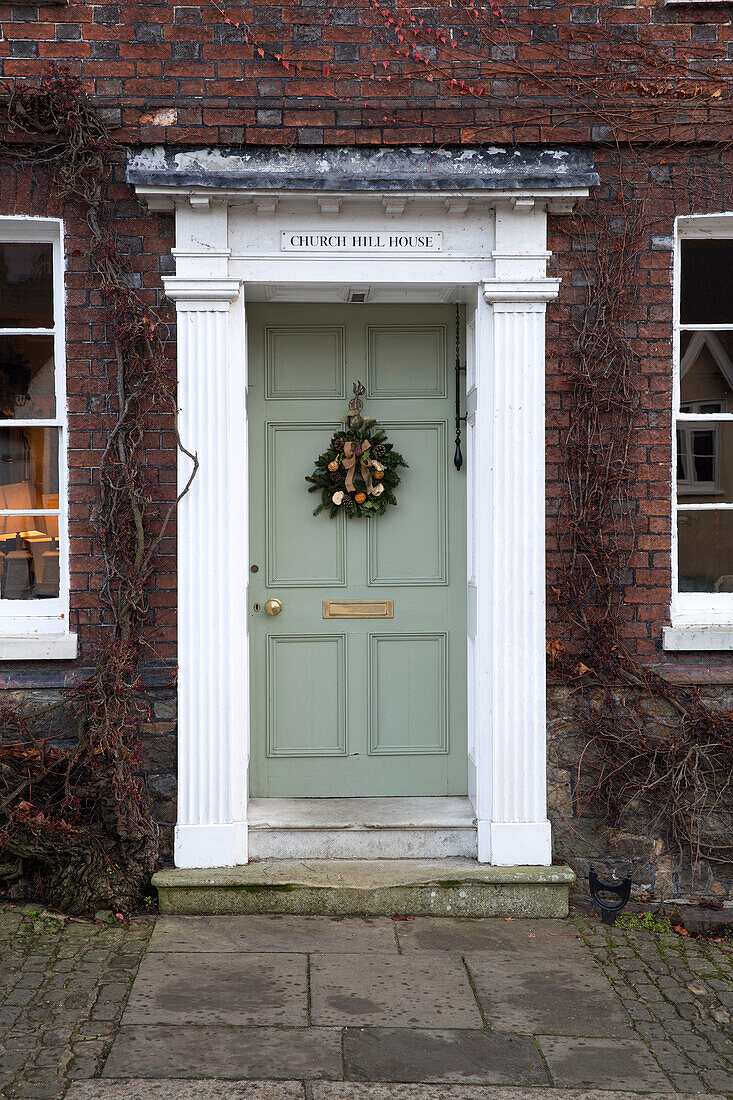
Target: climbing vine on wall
x,y
77,819
650,750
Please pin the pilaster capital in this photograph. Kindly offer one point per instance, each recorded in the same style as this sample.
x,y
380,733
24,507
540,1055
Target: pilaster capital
x,y
532,292
205,294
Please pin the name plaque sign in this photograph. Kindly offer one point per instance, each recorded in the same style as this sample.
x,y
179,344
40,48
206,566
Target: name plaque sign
x,y
358,242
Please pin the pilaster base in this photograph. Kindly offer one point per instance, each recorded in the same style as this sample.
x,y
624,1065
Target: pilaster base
x,y
211,845
520,842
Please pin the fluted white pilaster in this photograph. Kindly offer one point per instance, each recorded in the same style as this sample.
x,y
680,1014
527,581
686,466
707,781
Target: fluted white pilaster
x,y
212,539
510,628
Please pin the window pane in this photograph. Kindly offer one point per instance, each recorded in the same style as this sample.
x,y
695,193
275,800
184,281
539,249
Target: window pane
x,y
705,462
682,457
26,285
703,455
29,557
707,282
705,549
27,378
29,468
706,372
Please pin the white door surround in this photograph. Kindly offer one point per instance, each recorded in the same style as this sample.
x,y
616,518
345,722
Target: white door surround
x,y
486,213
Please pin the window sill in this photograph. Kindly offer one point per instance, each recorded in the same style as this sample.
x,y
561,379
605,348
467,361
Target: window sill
x,y
39,647
689,638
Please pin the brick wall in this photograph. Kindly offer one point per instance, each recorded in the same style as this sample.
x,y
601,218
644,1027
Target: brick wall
x,y
304,73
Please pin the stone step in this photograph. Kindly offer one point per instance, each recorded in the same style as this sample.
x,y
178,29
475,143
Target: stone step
x,y
361,828
360,887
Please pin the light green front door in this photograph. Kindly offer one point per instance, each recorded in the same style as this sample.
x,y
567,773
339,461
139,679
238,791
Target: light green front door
x,y
355,707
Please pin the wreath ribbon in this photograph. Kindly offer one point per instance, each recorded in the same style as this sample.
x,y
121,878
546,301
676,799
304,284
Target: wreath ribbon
x,y
350,460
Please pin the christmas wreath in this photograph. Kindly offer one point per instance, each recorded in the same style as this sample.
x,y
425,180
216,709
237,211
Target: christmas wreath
x,y
358,473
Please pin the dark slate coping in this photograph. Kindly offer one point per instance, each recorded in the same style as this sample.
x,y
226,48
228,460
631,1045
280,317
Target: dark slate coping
x,y
490,168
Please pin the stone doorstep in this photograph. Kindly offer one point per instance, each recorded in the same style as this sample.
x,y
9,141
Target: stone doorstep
x,y
361,828
356,887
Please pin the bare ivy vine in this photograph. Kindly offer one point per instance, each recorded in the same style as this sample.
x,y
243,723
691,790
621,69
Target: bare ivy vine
x,y
651,751
77,819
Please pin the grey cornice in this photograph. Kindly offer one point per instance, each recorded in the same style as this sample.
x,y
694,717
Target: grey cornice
x,y
407,169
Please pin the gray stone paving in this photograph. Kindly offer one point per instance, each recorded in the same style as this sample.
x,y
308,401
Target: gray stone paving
x,y
223,1052
220,988
294,1008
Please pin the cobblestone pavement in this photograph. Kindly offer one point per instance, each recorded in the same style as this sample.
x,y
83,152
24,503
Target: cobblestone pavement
x,y
269,1008
63,987
679,995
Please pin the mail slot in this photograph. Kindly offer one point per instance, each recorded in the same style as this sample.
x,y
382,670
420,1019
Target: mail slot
x,y
358,609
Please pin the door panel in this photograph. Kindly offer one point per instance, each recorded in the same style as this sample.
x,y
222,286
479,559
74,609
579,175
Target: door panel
x,y
371,707
306,682
411,548
409,687
300,553
304,361
406,361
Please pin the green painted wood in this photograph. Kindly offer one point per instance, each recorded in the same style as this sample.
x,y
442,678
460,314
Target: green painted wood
x,y
360,707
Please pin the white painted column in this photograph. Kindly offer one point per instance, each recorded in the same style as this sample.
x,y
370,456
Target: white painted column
x,y
509,495
212,550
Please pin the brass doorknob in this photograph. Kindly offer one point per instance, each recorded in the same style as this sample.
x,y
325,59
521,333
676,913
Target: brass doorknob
x,y
273,607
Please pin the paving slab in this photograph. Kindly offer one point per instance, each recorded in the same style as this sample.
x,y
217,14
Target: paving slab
x,y
274,933
338,1090
553,997
127,1089
224,988
163,1051
548,939
385,990
622,1063
450,1055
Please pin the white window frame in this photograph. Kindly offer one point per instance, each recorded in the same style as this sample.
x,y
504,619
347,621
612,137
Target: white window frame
x,y
40,628
700,620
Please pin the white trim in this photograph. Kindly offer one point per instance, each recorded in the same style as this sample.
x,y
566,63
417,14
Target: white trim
x,y
212,294
697,638
29,621
494,260
696,615
164,198
516,294
211,845
512,840
42,647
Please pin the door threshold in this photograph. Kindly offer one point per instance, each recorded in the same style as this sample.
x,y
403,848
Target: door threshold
x,y
368,888
361,828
